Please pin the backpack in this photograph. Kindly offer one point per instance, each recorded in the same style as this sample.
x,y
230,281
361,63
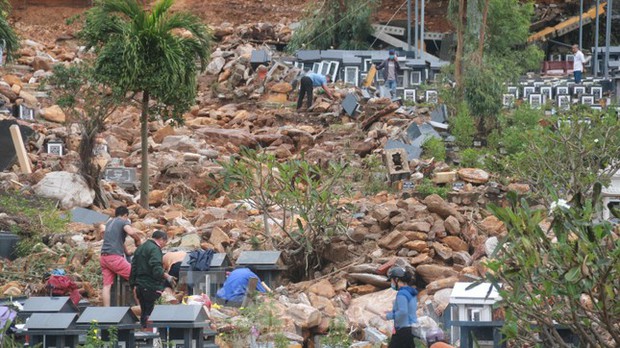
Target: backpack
x,y
200,260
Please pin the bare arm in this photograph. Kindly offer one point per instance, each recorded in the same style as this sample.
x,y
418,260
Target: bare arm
x,y
328,91
133,233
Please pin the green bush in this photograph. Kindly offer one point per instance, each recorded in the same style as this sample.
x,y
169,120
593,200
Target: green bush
x,y
463,126
471,158
427,188
434,147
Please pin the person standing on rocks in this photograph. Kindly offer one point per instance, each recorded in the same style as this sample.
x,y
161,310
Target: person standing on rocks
x,y
113,250
391,69
404,309
148,275
306,88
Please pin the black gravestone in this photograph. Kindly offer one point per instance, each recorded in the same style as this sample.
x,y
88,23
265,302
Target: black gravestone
x,y
350,104
87,216
121,318
7,149
180,325
53,330
61,304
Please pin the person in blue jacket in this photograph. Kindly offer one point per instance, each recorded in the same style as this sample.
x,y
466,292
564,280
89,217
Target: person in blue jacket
x,y
404,310
236,284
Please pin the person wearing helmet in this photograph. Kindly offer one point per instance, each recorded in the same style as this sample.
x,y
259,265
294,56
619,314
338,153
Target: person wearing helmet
x,y
435,339
404,309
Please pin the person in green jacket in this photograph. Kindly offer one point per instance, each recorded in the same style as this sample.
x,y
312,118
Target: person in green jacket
x,y
148,275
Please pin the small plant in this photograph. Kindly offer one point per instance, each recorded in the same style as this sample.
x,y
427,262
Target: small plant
x,y
434,147
338,334
463,126
470,158
427,188
94,337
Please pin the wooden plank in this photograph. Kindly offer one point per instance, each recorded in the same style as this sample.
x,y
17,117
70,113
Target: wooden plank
x,y
20,150
370,77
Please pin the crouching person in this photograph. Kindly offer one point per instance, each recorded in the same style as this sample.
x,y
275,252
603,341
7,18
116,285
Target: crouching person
x,y
147,274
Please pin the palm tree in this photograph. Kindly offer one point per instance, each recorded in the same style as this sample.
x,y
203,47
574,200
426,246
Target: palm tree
x,y
7,35
148,52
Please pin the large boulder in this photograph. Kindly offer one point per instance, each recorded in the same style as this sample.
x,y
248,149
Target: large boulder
x,y
369,310
431,273
304,316
473,175
69,188
216,65
435,204
53,114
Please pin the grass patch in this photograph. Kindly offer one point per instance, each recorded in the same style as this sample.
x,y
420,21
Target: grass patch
x,y
30,217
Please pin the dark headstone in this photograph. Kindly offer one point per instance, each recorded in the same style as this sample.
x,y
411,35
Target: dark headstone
x,y
51,321
61,304
439,114
309,55
413,152
365,94
87,216
260,258
350,104
171,314
107,316
427,131
7,149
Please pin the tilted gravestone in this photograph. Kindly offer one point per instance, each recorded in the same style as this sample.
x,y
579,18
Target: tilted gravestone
x,y
7,149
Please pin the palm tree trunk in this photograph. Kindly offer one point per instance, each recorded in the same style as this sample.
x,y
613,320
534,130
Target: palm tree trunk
x,y
144,139
460,34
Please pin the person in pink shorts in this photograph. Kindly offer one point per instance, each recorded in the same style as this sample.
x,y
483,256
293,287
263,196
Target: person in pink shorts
x,y
113,250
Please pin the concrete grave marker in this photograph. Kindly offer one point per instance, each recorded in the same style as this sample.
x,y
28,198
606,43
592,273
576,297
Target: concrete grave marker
x,y
587,100
527,90
563,101
397,164
56,147
547,92
413,151
350,104
514,90
439,114
23,112
385,92
508,101
579,90
561,90
431,96
597,91
409,95
536,100
120,175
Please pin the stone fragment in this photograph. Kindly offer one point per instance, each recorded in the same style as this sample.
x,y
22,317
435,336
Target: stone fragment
x,y
69,188
436,204
393,240
216,65
452,225
473,175
304,316
492,226
53,114
431,272
323,288
455,243
439,284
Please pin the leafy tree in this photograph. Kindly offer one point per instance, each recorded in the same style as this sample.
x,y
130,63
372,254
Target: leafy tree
x,y
581,149
564,276
297,197
152,52
7,34
89,104
344,24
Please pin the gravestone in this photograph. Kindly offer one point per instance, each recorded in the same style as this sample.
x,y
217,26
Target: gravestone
x,y
268,265
53,330
409,94
439,114
350,104
44,304
207,282
385,92
527,90
413,151
514,90
121,318
124,176
547,92
508,101
587,100
259,57
397,164
23,112
87,216
7,149
579,90
536,100
56,147
431,96
563,101
180,326
561,90
597,92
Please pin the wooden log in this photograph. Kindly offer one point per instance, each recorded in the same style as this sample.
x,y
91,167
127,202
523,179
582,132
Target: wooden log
x,y
374,118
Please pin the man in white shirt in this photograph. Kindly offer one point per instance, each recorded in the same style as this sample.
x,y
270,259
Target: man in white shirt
x,y
578,62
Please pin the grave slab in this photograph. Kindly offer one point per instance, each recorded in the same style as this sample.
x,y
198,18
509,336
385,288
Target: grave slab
x,y
7,150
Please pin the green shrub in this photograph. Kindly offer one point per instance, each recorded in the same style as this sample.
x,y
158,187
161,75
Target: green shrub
x,y
471,158
427,188
463,126
434,147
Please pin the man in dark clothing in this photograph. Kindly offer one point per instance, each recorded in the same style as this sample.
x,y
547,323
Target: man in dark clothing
x,y
306,87
147,273
391,70
113,250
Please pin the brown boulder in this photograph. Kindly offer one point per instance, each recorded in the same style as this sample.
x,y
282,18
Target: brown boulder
x,y
53,114
439,284
435,204
444,252
12,80
40,63
452,225
219,239
281,87
455,243
8,92
224,137
519,188
417,245
473,175
393,240
323,288
161,133
431,272
492,226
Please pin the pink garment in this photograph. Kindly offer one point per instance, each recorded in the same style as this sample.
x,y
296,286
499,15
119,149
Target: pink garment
x,y
63,285
111,265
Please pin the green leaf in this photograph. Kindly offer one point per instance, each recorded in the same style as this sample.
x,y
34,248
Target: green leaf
x,y
573,275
